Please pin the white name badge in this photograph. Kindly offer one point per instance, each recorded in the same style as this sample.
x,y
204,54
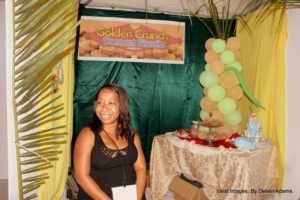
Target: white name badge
x,y
121,193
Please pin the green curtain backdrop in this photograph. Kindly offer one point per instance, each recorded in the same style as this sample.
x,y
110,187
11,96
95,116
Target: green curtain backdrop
x,y
163,97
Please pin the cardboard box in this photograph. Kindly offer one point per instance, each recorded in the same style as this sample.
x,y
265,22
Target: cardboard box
x,y
147,179
183,190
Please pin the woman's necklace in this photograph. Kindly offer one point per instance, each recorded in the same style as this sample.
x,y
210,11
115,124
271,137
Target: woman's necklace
x,y
117,153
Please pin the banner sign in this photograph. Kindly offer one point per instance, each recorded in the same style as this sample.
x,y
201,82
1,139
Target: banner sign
x,y
131,40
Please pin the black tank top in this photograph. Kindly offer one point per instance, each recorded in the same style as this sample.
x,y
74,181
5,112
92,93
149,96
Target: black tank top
x,y
107,170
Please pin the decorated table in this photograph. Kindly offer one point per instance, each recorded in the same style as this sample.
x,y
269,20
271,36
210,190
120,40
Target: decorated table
x,y
226,172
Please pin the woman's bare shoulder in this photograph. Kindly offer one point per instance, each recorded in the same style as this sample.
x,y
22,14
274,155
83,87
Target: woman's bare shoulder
x,y
86,134
86,130
136,140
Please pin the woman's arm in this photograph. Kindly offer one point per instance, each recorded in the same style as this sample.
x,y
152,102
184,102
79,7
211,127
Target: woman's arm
x,y
82,165
140,168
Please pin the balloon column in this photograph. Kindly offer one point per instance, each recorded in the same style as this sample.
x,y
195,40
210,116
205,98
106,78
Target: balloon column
x,y
222,87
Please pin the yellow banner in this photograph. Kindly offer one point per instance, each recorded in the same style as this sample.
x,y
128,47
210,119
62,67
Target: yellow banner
x,y
131,40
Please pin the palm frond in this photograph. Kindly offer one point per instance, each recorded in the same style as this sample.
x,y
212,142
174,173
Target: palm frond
x,y
43,131
215,18
28,7
33,183
223,26
49,138
35,44
44,154
30,37
52,150
43,136
33,90
36,168
207,27
24,110
33,196
37,177
31,145
37,160
41,41
39,123
38,113
36,16
19,2
27,99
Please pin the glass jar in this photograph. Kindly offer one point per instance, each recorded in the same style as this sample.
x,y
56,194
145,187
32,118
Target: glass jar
x,y
194,129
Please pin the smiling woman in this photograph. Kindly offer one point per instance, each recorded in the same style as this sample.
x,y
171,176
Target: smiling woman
x,y
107,106
108,152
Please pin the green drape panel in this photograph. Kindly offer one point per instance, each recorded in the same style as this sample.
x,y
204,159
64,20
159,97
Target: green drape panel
x,y
163,97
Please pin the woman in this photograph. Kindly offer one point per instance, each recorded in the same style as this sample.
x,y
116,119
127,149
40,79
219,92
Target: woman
x,y
108,152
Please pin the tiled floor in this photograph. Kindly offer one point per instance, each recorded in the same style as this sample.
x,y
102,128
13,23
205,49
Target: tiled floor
x,y
3,189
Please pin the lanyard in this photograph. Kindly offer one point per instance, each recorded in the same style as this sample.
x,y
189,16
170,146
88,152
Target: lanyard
x,y
122,161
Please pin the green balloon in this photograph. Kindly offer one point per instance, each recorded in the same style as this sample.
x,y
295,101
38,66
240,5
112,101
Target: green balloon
x,y
233,118
226,105
227,57
207,67
244,86
204,115
208,79
218,45
236,65
203,128
216,93
235,129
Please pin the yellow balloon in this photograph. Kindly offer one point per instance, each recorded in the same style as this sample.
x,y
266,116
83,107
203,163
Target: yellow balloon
x,y
211,56
207,104
228,80
237,55
236,128
208,43
236,92
217,115
233,44
204,115
225,130
217,67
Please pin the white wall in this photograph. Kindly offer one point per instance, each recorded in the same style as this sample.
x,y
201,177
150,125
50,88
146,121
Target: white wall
x,y
13,191
292,155
3,120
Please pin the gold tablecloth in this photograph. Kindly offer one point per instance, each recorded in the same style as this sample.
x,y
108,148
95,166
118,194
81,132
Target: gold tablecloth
x,y
226,174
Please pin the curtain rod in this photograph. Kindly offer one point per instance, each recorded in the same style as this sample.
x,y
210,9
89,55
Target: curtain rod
x,y
156,11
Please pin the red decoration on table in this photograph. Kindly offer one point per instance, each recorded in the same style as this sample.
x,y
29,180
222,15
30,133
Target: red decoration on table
x,y
223,143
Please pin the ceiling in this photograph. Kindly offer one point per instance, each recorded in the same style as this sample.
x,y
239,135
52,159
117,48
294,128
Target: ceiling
x,y
178,7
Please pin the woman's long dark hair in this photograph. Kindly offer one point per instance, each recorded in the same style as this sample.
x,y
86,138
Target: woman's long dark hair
x,y
124,128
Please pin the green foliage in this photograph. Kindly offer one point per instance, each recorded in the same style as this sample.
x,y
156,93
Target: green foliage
x,y
40,43
223,24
